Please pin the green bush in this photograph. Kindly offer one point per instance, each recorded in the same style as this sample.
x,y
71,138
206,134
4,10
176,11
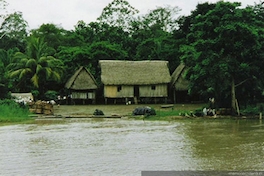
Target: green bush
x,y
51,95
12,111
251,110
35,93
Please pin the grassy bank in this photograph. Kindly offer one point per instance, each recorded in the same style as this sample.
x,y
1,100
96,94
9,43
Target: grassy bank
x,y
167,114
174,114
12,112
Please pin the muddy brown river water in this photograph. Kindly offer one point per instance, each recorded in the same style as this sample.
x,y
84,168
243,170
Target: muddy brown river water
x,y
127,147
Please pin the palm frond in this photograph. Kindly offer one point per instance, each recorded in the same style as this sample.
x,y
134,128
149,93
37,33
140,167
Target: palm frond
x,y
51,58
43,60
35,80
23,61
19,56
55,76
31,63
48,71
15,73
13,66
39,69
24,72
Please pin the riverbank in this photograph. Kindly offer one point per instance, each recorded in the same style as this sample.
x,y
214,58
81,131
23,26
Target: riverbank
x,y
118,111
163,112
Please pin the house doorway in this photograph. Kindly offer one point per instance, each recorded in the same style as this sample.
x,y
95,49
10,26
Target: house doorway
x,y
136,94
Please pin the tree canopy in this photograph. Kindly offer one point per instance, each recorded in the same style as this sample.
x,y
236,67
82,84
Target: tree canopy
x,y
35,66
221,44
224,50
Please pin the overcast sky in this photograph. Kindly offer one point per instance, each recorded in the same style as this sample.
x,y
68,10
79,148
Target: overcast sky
x,y
66,13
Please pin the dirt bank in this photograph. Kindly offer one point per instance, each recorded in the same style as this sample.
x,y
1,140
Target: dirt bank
x,y
110,110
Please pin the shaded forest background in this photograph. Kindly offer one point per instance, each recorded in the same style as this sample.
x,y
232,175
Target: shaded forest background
x,y
221,43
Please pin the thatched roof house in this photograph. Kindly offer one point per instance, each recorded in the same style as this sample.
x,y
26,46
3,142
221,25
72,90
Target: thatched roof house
x,y
82,84
134,72
124,79
81,80
178,81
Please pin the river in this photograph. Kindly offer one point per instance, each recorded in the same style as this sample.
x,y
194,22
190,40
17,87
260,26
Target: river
x,y
127,147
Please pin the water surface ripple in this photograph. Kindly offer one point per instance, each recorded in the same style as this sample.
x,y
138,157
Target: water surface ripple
x,y
127,147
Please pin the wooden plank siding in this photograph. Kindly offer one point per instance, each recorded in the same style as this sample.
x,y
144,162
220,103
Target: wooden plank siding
x,y
160,90
125,91
116,91
83,95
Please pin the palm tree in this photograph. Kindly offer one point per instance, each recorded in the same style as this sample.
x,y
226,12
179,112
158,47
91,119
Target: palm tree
x,y
35,65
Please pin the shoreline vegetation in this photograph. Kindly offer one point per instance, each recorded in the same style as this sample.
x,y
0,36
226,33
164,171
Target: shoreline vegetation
x,y
169,113
12,112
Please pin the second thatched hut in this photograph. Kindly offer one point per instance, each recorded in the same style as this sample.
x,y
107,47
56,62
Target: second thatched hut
x,y
135,80
82,86
179,84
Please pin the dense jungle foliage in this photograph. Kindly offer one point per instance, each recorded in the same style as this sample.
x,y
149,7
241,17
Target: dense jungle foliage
x,y
221,43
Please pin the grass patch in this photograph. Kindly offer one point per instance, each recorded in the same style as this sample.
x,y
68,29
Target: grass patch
x,y
164,115
170,113
13,112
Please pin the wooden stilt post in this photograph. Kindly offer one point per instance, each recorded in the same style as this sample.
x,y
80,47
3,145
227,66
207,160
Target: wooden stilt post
x,y
237,107
261,108
135,100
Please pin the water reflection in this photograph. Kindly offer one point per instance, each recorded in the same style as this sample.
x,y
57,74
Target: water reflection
x,y
126,147
228,145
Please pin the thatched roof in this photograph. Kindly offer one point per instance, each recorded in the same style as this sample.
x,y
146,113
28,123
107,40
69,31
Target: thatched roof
x,y
81,80
177,79
134,72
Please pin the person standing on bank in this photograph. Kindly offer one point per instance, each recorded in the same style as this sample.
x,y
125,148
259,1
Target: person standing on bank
x,y
212,106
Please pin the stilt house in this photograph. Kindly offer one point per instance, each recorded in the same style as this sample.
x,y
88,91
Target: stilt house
x,y
135,80
82,86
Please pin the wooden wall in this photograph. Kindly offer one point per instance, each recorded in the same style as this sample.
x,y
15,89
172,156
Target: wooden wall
x,y
83,95
118,91
160,90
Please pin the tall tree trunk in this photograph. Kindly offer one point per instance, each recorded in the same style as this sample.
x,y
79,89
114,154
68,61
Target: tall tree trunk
x,y
233,96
